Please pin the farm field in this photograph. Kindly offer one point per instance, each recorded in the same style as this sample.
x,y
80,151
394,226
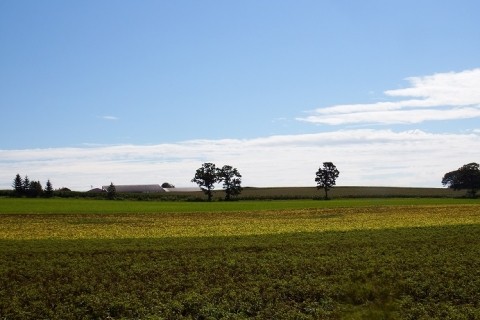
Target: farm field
x,y
302,259
87,206
346,192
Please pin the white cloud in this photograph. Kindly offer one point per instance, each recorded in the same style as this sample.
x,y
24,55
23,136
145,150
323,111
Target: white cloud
x,y
442,96
364,157
397,116
110,118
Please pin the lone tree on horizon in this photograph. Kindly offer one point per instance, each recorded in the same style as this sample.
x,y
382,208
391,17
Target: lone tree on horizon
x,y
466,177
206,177
326,177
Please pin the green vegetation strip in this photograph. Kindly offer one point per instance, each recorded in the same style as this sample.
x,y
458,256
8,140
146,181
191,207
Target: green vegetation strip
x,y
63,206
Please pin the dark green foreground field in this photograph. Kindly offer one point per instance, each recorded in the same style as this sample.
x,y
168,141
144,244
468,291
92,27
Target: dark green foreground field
x,y
341,259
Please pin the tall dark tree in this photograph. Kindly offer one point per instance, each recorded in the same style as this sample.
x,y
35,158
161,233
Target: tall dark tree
x,y
465,178
206,177
26,185
48,189
111,191
232,180
326,177
18,185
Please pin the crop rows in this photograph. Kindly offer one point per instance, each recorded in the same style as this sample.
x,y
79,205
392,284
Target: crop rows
x,y
204,224
386,262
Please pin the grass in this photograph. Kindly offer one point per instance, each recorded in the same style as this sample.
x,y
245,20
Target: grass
x,y
87,206
339,259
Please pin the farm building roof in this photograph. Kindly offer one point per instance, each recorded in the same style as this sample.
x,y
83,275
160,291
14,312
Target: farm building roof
x,y
193,189
140,188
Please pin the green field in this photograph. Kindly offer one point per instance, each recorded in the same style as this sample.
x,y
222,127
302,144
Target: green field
x,y
302,259
63,206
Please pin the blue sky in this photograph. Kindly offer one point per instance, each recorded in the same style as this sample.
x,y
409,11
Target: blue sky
x,y
146,91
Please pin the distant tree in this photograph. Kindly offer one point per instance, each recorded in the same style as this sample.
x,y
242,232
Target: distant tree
x,y
35,189
49,189
231,179
167,185
326,177
26,185
206,177
18,185
111,191
465,178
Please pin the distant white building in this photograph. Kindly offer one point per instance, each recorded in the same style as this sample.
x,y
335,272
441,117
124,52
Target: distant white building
x,y
137,188
146,188
194,189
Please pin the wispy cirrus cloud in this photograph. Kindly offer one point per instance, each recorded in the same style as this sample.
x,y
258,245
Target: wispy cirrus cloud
x,y
442,96
364,157
109,118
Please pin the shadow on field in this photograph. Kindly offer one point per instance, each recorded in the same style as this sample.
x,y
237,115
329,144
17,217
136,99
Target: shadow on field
x,y
397,273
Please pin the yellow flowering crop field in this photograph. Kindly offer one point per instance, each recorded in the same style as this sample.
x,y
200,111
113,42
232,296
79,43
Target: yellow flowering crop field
x,y
231,223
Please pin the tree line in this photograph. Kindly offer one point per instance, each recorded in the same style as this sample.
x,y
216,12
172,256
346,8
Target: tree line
x,y
206,177
466,177
32,189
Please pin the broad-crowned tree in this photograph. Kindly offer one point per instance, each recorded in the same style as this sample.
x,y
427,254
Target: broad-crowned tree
x,y
35,189
465,178
206,177
232,180
326,177
167,185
